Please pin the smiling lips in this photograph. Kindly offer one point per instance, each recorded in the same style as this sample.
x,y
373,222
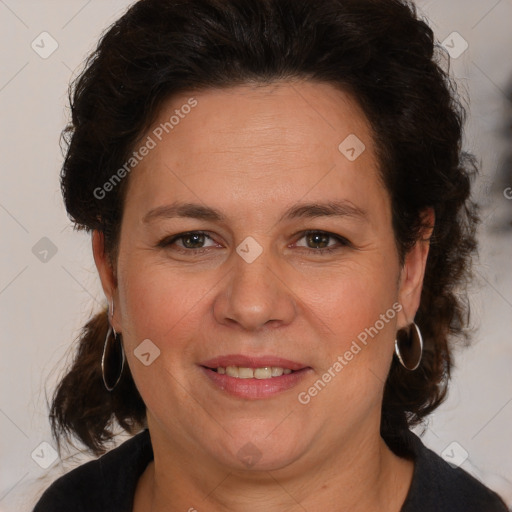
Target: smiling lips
x,y
237,365
242,372
253,377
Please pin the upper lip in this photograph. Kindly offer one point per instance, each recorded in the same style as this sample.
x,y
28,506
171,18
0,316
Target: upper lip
x,y
251,362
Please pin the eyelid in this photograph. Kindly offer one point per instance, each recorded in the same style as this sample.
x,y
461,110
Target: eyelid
x,y
169,240
331,250
342,241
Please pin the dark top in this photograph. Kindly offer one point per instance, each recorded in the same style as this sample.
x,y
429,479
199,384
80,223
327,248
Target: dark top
x,y
108,483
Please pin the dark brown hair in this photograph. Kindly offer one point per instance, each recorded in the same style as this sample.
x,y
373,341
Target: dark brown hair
x,y
381,52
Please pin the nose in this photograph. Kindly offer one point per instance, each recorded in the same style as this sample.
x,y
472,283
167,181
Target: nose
x,y
255,294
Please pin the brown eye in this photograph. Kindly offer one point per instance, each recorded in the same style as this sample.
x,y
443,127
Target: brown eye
x,y
189,242
321,242
193,239
321,239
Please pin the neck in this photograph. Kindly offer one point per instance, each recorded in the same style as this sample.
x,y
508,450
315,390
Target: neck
x,y
361,475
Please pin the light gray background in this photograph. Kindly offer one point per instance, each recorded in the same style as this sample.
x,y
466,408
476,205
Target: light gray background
x,y
44,303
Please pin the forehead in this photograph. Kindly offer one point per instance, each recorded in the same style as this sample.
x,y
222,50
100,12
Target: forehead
x,y
279,114
281,140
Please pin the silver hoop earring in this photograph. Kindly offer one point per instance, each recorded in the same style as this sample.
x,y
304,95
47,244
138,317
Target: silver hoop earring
x,y
409,347
112,359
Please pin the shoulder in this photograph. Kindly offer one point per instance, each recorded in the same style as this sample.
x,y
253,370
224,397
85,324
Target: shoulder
x,y
107,483
439,487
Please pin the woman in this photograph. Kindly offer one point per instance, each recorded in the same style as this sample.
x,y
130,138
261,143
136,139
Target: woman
x,y
280,218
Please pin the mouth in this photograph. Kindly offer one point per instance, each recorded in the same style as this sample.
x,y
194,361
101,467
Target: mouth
x,y
254,377
244,372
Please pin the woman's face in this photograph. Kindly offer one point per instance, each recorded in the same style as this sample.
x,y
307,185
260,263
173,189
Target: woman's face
x,y
257,167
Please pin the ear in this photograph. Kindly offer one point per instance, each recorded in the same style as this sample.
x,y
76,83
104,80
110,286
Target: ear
x,y
105,271
413,272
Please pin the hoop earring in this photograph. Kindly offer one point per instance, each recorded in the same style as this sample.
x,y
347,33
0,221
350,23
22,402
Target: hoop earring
x,y
409,347
112,359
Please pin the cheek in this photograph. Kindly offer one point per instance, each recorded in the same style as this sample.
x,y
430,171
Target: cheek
x,y
350,301
163,307
158,303
359,312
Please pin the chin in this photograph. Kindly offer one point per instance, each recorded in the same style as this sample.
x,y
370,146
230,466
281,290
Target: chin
x,y
259,452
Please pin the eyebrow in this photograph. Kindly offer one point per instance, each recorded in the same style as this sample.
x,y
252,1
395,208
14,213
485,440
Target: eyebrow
x,y
341,208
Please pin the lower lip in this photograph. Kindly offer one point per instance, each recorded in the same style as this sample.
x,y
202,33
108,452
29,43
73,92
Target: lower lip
x,y
255,388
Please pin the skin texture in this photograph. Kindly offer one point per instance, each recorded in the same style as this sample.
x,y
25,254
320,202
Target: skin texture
x,y
252,152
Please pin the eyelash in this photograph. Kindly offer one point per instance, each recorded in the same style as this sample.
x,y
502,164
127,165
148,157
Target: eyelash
x,y
166,242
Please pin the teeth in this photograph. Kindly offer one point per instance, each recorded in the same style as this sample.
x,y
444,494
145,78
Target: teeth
x,y
263,373
242,372
245,373
232,371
